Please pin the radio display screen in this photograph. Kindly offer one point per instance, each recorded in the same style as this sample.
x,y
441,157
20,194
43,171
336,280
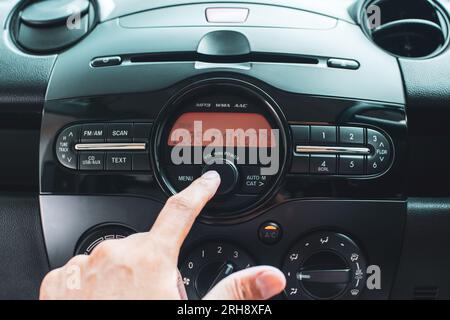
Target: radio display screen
x,y
223,129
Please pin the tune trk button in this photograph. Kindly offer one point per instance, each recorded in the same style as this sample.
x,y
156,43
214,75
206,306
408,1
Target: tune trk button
x,y
253,181
270,233
65,151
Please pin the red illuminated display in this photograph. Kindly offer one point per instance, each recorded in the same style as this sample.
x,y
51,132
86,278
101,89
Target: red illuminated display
x,y
222,129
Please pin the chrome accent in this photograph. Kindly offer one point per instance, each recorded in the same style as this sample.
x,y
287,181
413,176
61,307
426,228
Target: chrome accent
x,y
333,150
109,146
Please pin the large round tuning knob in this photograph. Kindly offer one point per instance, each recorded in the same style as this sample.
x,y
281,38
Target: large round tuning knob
x,y
324,266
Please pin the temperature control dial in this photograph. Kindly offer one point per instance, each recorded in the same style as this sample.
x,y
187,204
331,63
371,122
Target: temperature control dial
x,y
208,264
323,266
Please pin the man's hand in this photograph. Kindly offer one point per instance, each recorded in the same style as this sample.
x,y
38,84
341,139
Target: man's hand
x,y
144,265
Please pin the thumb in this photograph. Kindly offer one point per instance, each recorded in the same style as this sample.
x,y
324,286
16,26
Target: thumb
x,y
258,283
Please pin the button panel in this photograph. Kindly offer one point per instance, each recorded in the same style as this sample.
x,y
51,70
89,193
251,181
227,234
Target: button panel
x,y
105,147
340,151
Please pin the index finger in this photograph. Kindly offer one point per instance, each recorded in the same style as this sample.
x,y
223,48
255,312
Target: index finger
x,y
180,211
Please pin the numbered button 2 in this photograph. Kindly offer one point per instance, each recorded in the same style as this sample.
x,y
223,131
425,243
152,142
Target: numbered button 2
x,y
351,135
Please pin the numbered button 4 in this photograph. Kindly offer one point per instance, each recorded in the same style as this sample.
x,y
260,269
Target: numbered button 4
x,y
323,164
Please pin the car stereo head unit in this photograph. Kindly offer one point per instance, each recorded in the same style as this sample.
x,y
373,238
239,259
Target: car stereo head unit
x,y
225,125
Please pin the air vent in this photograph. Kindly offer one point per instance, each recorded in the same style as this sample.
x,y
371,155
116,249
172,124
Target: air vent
x,y
406,28
50,26
426,293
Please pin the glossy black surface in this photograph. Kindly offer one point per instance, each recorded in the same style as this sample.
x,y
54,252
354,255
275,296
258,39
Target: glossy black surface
x,y
298,109
376,226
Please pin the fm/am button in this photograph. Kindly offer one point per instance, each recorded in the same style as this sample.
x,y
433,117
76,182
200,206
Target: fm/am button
x,y
92,161
93,133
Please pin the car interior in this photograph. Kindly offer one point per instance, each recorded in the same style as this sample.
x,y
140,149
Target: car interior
x,y
343,188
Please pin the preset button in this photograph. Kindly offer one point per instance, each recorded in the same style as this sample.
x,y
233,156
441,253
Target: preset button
x,y
323,135
93,133
351,165
323,164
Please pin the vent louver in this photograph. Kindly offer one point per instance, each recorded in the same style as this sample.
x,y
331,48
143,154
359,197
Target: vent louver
x,y
50,26
406,28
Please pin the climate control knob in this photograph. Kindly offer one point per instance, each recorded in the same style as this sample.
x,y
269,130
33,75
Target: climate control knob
x,y
324,266
208,264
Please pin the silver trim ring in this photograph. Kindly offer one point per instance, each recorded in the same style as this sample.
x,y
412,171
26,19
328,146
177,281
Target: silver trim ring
x,y
109,146
333,150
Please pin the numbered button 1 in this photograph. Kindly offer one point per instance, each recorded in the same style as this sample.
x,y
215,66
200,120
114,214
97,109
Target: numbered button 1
x,y
323,135
351,135
381,156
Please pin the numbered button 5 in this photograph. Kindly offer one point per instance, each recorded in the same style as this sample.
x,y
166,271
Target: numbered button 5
x,y
351,165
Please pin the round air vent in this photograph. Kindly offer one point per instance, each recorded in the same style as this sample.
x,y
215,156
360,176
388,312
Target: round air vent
x,y
49,26
406,28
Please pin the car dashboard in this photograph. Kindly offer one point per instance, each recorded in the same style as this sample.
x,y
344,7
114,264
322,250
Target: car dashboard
x,y
347,195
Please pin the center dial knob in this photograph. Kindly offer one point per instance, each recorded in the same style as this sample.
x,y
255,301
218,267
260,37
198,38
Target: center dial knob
x,y
228,175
